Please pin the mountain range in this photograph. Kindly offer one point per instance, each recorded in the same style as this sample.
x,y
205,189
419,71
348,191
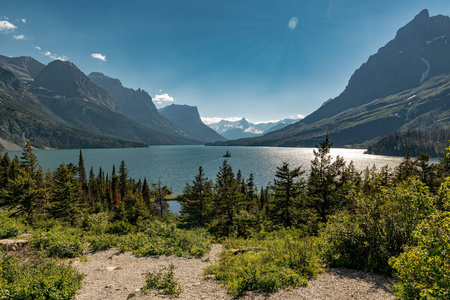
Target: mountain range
x,y
242,128
403,87
58,106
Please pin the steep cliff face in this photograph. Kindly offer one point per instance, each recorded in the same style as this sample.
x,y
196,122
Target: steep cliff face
x,y
188,119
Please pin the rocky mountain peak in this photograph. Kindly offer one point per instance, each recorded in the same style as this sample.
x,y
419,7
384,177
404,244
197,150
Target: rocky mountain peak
x,y
63,79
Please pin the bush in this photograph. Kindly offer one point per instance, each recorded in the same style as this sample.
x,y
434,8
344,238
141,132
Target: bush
x,y
96,223
38,280
102,242
274,261
120,228
423,270
10,227
381,226
59,242
164,282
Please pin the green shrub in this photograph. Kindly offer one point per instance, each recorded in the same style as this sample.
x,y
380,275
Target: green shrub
x,y
100,242
120,228
38,280
163,281
423,270
96,223
268,263
380,227
166,239
59,242
10,227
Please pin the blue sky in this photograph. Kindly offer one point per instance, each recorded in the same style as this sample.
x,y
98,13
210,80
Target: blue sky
x,y
262,59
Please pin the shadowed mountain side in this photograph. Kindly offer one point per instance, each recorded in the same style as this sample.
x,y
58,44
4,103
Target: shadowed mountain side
x,y
188,119
136,104
23,118
419,51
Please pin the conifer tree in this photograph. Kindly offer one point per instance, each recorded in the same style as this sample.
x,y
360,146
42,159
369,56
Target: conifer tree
x,y
147,196
162,207
226,200
65,198
82,171
29,159
287,188
324,182
123,179
196,200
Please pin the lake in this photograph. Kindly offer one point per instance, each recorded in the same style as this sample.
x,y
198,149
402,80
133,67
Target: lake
x,y
177,165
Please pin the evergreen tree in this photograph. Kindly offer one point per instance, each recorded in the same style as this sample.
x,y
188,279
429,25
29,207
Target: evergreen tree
x,y
226,200
65,198
123,179
161,192
29,160
406,168
286,187
22,196
82,171
196,200
147,197
324,182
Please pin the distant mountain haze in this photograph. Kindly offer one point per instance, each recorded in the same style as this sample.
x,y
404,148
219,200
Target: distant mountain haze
x,y
233,130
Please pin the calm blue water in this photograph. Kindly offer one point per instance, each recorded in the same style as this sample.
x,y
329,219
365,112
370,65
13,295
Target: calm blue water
x,y
177,165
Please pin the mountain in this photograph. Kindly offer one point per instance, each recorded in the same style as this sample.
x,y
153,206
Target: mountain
x,y
135,104
62,79
188,119
24,118
419,51
24,68
69,94
375,102
426,107
243,129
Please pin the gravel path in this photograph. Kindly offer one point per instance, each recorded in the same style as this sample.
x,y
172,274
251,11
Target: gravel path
x,y
116,276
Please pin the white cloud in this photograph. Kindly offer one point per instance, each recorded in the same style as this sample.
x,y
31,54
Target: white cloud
x,y
19,37
24,21
54,56
293,22
99,56
300,116
163,98
6,26
37,48
212,120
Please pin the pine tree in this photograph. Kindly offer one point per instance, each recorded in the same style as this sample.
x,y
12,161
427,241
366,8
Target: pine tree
x,y
324,182
65,198
161,192
147,196
227,200
29,160
82,171
286,187
196,200
123,179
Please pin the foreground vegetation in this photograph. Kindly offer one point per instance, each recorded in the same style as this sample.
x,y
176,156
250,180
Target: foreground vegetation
x,y
389,221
